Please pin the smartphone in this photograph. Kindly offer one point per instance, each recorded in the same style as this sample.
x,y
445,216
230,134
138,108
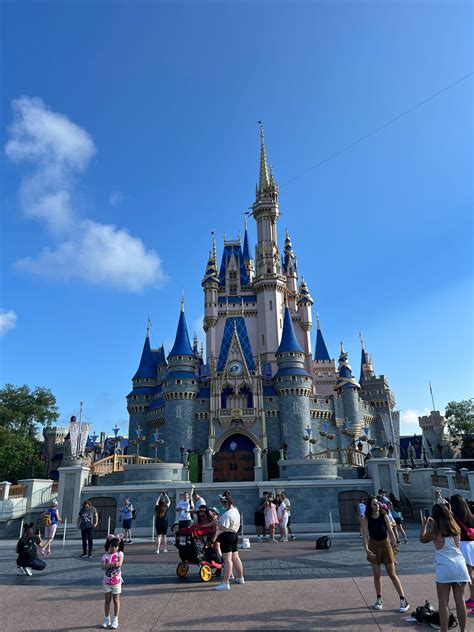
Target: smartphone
x,y
426,513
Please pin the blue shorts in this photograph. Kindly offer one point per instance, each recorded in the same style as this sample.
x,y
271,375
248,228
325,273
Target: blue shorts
x,y
127,524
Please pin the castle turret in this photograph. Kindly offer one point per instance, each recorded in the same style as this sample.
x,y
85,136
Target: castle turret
x,y
290,270
180,389
269,284
248,261
143,387
210,283
324,368
366,367
305,303
347,389
294,386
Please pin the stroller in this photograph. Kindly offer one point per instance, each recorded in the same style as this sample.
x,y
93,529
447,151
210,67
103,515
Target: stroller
x,y
193,549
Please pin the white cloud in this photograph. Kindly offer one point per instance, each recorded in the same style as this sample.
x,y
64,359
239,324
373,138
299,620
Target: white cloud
x,y
59,150
409,420
7,321
116,198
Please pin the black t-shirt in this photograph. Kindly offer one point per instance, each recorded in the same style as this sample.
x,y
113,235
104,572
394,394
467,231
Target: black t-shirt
x,y
377,527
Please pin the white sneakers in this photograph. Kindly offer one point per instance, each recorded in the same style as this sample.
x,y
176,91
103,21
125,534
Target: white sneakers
x,y
28,571
239,580
222,586
378,604
114,624
404,605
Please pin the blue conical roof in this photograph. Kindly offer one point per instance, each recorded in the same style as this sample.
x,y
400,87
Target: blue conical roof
x,y
147,367
246,251
321,351
363,360
289,342
182,346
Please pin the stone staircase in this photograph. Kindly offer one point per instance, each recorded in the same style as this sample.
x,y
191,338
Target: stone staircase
x,y
115,478
347,471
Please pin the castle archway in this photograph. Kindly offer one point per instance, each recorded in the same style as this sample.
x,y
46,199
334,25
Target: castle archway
x,y
235,460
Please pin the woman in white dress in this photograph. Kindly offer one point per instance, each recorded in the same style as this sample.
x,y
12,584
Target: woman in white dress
x,y
451,569
463,516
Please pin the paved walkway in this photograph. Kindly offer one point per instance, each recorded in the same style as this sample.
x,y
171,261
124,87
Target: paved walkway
x,y
288,587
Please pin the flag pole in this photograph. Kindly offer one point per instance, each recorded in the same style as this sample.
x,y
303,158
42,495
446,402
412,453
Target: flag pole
x,y
432,398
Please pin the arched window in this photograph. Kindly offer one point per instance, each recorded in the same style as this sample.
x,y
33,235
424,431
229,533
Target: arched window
x,y
245,390
226,392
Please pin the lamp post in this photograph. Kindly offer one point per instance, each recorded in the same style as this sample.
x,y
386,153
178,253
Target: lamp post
x,y
157,442
329,435
140,437
311,442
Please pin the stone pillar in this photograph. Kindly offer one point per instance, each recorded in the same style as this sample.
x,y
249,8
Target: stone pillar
x,y
383,472
258,473
6,489
72,480
38,491
450,474
208,470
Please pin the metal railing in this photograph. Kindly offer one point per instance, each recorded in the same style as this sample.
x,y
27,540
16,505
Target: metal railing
x,y
116,463
461,482
344,456
440,480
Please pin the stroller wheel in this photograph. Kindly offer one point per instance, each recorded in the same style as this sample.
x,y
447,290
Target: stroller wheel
x,y
182,569
218,572
205,573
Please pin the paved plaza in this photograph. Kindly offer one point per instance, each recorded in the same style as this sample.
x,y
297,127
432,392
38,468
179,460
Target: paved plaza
x,y
288,587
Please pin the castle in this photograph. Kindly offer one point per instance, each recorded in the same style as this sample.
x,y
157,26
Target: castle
x,y
259,389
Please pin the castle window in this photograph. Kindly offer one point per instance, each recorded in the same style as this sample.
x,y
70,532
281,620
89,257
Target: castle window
x,y
284,430
263,339
293,378
270,304
178,411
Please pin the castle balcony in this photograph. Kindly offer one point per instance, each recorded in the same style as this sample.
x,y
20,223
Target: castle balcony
x,y
227,415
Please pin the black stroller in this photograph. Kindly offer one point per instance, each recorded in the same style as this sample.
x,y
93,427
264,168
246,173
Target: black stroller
x,y
193,549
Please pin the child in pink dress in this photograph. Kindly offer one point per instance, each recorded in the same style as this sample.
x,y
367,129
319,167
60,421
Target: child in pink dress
x,y
112,562
271,518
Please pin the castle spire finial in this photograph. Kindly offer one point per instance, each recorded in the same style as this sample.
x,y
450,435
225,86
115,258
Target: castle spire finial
x,y
182,300
342,347
318,324
148,324
214,249
361,340
264,181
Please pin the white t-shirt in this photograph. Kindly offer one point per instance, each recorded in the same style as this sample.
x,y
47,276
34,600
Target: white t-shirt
x,y
184,506
287,505
199,503
282,510
230,519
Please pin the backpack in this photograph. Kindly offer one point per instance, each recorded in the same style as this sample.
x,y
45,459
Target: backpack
x,y
427,614
324,542
134,514
46,519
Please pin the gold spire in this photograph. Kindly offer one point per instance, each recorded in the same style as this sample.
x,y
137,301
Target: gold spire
x,y
318,325
214,249
148,323
264,181
361,340
342,348
182,300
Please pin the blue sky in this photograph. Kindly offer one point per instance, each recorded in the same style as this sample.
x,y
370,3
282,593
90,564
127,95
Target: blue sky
x,y
129,133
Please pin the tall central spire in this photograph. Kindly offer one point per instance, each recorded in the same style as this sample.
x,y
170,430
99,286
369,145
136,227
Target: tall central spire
x,y
264,180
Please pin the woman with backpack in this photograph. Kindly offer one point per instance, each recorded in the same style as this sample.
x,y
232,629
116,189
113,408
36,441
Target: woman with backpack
x,y
396,512
451,569
50,520
465,520
27,552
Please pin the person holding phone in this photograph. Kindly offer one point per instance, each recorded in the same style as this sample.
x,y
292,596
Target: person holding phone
x,y
161,521
228,524
451,569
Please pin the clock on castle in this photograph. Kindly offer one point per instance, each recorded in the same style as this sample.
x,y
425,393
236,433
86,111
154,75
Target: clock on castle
x,y
248,401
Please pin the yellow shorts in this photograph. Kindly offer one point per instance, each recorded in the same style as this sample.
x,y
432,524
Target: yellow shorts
x,y
116,589
382,550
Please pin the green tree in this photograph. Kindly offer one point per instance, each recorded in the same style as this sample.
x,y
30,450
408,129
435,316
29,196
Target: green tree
x,y
23,413
460,423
